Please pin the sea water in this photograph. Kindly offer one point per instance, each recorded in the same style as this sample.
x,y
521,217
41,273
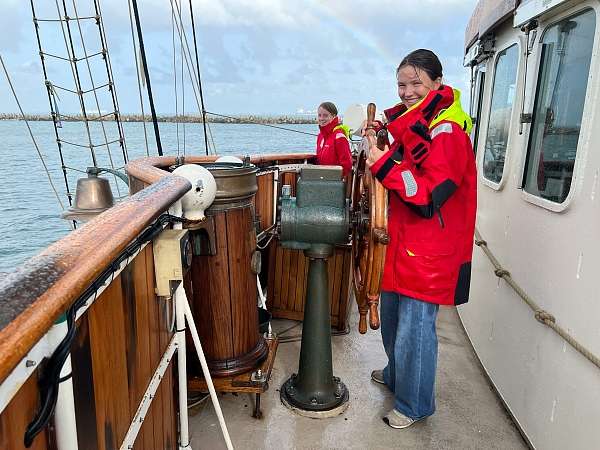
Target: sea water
x,y
29,210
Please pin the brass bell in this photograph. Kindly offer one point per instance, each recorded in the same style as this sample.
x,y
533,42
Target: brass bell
x,y
92,196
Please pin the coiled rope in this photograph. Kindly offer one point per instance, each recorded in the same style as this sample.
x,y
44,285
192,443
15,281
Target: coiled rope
x,y
540,314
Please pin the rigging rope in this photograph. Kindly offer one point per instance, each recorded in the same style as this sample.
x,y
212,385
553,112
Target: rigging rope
x,y
182,88
262,124
195,82
78,90
139,83
212,139
37,149
175,78
182,35
52,96
110,158
75,71
112,88
199,78
540,314
147,76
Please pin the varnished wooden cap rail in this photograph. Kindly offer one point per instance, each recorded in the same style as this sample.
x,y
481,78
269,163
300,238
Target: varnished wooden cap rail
x,y
33,297
150,169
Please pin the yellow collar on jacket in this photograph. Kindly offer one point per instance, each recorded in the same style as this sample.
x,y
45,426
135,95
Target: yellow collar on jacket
x,y
454,113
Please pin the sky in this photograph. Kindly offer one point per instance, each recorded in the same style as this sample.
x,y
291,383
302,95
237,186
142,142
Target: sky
x,y
266,57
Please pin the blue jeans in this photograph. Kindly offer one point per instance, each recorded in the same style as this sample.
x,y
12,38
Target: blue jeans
x,y
410,341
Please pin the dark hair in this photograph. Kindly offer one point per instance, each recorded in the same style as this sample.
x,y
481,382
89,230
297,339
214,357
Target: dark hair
x,y
425,60
329,107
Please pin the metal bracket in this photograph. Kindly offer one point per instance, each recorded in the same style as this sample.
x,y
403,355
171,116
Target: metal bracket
x,y
526,118
258,376
204,237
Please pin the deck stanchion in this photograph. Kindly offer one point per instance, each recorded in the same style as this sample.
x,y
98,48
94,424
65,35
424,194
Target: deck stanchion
x,y
184,435
205,371
64,415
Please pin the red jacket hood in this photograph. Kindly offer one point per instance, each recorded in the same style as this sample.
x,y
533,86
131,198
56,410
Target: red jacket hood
x,y
328,129
432,182
424,111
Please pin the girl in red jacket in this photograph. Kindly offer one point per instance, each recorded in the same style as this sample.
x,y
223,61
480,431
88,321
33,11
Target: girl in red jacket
x,y
430,174
333,147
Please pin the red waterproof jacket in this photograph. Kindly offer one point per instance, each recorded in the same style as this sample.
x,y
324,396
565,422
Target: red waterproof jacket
x,y
431,177
333,147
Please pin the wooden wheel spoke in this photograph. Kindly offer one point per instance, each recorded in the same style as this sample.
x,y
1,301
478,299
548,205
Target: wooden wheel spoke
x,y
369,239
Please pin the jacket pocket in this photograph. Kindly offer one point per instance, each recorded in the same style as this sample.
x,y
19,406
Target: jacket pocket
x,y
431,249
428,267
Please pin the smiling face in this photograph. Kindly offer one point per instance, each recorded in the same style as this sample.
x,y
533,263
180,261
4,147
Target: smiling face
x,y
324,116
414,84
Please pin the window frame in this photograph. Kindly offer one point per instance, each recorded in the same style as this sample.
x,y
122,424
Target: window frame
x,y
498,186
582,149
476,109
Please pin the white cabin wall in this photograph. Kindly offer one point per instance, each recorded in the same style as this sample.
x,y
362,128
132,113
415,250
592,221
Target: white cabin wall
x,y
552,391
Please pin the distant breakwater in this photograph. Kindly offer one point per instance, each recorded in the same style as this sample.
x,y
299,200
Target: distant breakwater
x,y
248,119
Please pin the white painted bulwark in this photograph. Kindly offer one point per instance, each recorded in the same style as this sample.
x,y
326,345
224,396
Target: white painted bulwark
x,y
552,250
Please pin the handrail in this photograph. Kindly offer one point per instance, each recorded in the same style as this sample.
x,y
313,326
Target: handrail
x,y
33,297
541,315
150,169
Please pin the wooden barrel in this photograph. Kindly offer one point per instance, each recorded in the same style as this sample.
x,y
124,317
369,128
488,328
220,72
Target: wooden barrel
x,y
223,276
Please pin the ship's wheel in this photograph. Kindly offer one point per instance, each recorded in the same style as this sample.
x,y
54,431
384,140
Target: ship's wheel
x,y
369,233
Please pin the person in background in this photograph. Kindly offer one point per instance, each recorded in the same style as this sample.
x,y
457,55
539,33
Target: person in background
x,y
430,174
333,147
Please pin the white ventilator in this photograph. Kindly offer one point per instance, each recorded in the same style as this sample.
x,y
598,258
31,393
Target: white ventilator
x,y
229,159
201,195
354,116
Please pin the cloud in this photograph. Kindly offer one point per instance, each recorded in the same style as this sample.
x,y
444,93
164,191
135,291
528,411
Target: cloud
x,y
225,13
13,18
31,67
258,55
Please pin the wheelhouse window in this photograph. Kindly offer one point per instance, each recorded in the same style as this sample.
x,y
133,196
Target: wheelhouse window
x,y
476,102
503,97
561,89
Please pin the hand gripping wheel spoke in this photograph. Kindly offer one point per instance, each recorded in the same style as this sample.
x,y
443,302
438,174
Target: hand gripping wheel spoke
x,y
369,233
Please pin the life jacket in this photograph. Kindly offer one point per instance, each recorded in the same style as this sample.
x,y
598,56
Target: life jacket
x,y
454,113
430,173
333,147
344,129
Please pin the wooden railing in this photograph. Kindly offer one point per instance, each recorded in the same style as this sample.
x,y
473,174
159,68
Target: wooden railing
x,y
110,370
286,268
121,337
34,296
149,170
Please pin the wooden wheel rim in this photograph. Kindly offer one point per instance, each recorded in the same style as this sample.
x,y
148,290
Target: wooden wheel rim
x,y
369,240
